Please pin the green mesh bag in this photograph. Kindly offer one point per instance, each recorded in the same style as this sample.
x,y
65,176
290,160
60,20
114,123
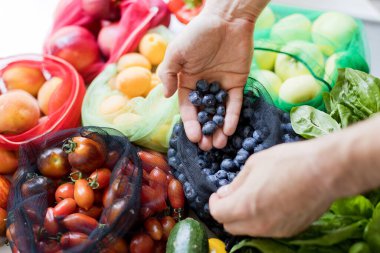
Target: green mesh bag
x,y
145,121
298,53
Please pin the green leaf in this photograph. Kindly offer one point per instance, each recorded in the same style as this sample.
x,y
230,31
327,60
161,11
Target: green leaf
x,y
310,122
360,247
353,206
372,231
261,245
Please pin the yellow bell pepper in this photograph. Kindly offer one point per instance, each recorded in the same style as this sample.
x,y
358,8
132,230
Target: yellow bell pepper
x,y
216,246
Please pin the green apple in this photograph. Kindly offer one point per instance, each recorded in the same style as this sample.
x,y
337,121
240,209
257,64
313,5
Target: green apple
x,y
288,66
292,27
269,80
333,31
266,19
265,59
299,89
344,60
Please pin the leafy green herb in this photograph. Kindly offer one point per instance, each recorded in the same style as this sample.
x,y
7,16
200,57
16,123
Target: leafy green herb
x,y
353,206
260,246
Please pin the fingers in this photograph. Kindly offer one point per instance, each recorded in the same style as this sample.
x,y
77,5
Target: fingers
x,y
205,143
234,103
219,139
168,71
226,190
189,116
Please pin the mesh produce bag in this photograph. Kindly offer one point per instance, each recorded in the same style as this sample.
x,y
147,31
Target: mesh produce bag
x,y
32,194
298,52
261,126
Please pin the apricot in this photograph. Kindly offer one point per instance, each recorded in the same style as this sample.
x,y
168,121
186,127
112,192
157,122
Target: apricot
x,y
8,160
133,60
46,91
24,78
133,81
126,118
153,83
112,104
19,112
153,47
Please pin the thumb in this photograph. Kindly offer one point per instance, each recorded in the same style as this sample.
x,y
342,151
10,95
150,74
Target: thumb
x,y
168,71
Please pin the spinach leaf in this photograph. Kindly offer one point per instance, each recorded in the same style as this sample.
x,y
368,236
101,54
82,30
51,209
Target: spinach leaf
x,y
353,206
372,231
260,246
360,247
310,122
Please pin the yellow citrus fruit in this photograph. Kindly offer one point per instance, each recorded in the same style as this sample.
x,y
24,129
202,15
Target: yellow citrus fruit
x,y
153,47
216,246
133,81
133,60
154,82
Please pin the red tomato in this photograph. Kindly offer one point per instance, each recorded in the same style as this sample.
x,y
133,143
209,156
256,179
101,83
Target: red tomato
x,y
169,177
10,232
120,186
168,224
50,246
112,158
65,207
116,246
153,198
141,243
53,163
98,197
81,223
108,198
37,185
3,222
154,228
50,223
93,212
116,210
72,239
83,194
101,178
145,212
85,154
157,178
4,191
160,246
175,194
64,191
151,160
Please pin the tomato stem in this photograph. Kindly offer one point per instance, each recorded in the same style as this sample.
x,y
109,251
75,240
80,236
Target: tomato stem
x,y
93,183
69,146
76,175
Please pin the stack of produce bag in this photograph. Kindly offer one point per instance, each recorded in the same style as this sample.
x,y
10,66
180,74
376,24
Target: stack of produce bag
x,y
298,53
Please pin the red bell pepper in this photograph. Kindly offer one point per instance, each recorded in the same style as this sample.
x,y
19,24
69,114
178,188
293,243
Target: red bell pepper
x,y
185,10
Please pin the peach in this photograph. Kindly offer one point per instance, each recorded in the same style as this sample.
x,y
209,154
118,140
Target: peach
x,y
153,47
133,60
19,112
112,104
8,160
25,78
133,81
46,91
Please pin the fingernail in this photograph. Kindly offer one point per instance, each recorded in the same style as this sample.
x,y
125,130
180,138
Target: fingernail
x,y
223,191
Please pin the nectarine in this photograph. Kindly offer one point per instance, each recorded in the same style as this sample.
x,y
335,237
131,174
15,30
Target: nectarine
x,y
153,47
25,78
8,160
46,91
19,112
133,81
133,60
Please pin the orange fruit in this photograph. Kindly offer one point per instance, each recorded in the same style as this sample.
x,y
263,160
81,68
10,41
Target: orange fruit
x,y
133,60
9,161
133,81
153,47
46,91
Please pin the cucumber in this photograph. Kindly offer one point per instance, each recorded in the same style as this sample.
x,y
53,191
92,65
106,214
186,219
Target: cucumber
x,y
187,236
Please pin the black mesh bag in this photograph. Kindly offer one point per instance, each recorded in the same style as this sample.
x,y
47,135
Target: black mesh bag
x,y
261,126
32,194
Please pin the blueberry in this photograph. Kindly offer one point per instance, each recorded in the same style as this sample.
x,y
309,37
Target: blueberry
x,y
221,96
221,110
202,86
209,128
181,177
176,129
214,87
223,182
203,117
237,142
201,163
257,135
214,167
227,164
173,162
241,159
199,201
173,142
288,138
221,174
190,192
206,171
195,98
231,176
208,100
171,152
247,113
247,131
236,164
243,152
211,179
259,148
287,127
219,120
210,110
249,144
228,149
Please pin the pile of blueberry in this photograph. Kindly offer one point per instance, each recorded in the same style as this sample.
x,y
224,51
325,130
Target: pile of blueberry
x,y
210,100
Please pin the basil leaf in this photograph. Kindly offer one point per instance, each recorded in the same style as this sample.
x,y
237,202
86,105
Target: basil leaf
x,y
353,206
372,231
260,246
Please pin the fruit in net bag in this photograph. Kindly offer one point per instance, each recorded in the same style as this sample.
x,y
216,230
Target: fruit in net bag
x,y
292,27
45,93
299,89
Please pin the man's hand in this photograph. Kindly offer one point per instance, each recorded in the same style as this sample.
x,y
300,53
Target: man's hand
x,y
216,49
279,193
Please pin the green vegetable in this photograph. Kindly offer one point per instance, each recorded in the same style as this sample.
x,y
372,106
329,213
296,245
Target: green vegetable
x,y
353,206
260,246
372,231
187,236
360,247
355,97
310,122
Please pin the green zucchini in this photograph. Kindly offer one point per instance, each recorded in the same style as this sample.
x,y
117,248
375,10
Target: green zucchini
x,y
187,236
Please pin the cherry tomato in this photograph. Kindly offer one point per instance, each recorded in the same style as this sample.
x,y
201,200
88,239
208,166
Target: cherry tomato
x,y
65,207
64,191
116,210
72,239
53,163
160,246
101,178
175,194
141,243
153,198
4,191
93,212
49,246
116,246
38,185
32,213
79,222
151,160
154,228
98,197
50,223
3,222
169,177
167,225
85,154
108,198
10,233
83,194
112,158
9,161
157,178
145,212
120,186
